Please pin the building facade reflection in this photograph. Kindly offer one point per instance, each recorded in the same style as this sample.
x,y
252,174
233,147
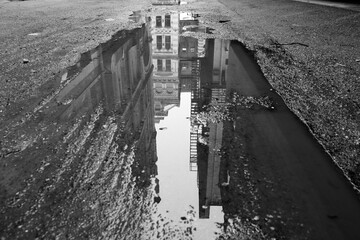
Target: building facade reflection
x,y
117,75
190,51
203,65
212,92
165,48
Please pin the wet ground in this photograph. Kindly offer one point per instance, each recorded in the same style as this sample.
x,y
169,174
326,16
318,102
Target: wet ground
x,y
347,4
159,135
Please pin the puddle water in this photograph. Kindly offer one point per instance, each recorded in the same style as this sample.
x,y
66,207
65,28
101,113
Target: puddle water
x,y
154,136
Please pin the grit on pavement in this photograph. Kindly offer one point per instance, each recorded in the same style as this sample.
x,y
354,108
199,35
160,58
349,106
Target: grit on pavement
x,y
309,53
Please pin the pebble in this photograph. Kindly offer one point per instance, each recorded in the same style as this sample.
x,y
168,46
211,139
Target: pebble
x,y
256,218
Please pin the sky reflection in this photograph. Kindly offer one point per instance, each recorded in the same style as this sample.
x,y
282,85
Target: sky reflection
x,y
178,185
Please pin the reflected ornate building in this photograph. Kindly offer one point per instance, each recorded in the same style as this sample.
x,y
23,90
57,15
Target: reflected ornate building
x,y
165,48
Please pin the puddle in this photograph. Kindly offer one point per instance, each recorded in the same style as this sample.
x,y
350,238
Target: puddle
x,y
155,135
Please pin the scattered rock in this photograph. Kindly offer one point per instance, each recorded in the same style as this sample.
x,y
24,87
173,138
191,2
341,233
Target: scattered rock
x,y
224,184
339,65
332,216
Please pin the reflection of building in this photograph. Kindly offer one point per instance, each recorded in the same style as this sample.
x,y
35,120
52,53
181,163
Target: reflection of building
x,y
185,60
113,72
190,75
221,56
117,75
165,47
191,47
213,91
